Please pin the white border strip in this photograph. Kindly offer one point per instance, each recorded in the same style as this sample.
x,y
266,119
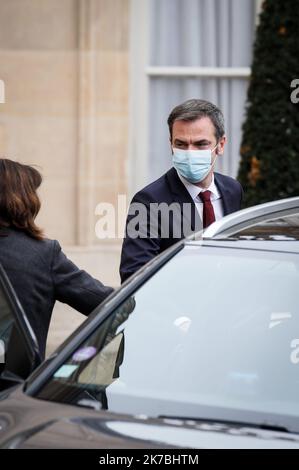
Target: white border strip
x,y
138,96
258,10
222,72
2,92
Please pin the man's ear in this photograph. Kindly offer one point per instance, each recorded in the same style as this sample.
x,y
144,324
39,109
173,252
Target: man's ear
x,y
221,145
171,146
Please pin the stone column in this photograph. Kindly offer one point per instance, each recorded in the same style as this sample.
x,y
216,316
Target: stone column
x,y
86,124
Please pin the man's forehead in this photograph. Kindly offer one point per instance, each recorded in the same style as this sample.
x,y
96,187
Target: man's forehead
x,y
202,127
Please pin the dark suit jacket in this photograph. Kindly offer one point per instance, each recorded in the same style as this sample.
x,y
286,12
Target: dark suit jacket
x,y
169,189
41,274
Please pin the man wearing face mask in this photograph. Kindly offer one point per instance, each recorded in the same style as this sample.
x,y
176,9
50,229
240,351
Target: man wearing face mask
x,y
194,193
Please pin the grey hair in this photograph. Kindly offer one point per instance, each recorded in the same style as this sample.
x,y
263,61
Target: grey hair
x,y
194,109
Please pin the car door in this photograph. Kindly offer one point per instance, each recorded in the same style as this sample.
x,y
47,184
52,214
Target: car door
x,y
19,353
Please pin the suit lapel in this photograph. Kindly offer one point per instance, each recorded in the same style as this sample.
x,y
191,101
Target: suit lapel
x,y
226,194
182,196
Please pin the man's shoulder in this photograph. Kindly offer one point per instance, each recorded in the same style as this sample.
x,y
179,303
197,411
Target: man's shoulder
x,y
227,181
158,190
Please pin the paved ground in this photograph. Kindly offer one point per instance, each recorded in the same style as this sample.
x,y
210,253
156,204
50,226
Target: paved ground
x,y
100,262
64,321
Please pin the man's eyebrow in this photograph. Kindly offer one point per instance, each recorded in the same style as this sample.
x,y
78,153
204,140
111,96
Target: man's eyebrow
x,y
196,142
180,140
202,141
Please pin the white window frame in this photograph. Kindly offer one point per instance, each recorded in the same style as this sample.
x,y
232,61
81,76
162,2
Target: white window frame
x,y
140,75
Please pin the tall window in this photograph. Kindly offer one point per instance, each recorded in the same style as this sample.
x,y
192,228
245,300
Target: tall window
x,y
193,49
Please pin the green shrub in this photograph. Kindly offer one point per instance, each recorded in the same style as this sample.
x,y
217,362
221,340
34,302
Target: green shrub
x,y
269,167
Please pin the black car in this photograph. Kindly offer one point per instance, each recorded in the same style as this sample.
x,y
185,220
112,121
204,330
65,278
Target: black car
x,y
200,349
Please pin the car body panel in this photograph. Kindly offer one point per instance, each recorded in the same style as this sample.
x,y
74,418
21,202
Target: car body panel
x,y
29,423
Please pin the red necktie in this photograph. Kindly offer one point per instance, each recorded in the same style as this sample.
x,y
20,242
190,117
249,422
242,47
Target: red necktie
x,y
208,210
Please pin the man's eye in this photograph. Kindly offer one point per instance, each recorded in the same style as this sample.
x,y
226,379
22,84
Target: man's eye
x,y
202,146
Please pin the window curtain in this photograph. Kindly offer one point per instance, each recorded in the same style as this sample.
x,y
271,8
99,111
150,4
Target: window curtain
x,y
208,33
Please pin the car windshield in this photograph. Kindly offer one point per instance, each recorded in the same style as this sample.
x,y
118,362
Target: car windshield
x,y
215,328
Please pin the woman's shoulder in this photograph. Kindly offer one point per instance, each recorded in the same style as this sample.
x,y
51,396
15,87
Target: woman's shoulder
x,y
20,240
23,237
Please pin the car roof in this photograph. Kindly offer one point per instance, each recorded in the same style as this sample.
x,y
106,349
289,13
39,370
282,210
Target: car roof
x,y
246,218
256,245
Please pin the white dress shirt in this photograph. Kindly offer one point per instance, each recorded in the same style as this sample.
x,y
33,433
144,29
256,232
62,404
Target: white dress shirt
x,y
194,191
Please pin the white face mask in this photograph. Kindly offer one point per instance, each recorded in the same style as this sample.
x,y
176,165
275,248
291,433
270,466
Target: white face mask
x,y
194,165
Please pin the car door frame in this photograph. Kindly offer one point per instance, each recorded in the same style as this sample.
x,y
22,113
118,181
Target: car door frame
x,y
41,375
29,344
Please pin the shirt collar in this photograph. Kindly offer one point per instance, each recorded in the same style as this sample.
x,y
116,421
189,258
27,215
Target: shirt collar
x,y
194,190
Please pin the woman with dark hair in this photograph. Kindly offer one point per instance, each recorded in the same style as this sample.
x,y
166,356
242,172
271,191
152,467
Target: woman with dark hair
x,y
37,268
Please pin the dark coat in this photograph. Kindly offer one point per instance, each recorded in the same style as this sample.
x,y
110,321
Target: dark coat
x,y
40,273
169,189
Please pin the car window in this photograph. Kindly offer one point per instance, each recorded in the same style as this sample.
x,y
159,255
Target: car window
x,y
277,228
282,226
215,327
6,323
